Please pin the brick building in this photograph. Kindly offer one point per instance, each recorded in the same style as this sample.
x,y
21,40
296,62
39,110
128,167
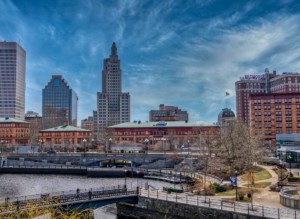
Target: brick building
x,y
65,136
168,113
14,132
177,133
276,113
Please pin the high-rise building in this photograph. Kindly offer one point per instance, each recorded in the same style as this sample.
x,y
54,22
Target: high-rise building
x,y
12,80
59,103
265,83
113,106
168,113
277,113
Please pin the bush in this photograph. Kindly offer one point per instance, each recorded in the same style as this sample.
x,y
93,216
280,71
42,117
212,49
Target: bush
x,y
215,187
170,189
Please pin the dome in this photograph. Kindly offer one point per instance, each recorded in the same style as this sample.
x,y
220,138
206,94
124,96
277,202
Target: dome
x,y
226,113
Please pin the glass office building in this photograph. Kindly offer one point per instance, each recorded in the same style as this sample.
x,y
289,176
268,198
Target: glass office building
x,y
59,103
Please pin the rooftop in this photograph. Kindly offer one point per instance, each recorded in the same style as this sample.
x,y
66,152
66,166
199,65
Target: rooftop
x,y
161,124
11,120
65,128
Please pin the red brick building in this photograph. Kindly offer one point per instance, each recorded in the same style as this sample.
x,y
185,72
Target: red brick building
x,y
174,132
14,132
276,113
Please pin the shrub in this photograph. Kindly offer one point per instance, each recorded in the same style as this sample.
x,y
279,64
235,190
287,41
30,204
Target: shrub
x,y
218,188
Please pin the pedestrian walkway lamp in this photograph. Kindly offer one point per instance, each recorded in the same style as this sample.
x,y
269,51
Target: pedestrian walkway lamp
x,y
125,173
188,147
236,186
146,145
84,141
1,146
290,162
109,144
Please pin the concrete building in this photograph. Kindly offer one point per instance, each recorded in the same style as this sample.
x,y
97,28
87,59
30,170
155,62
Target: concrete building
x,y
65,138
12,80
59,103
13,132
36,124
168,113
265,83
276,113
113,106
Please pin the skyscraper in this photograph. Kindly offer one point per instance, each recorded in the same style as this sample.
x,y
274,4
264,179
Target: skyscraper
x,y
113,106
12,80
59,103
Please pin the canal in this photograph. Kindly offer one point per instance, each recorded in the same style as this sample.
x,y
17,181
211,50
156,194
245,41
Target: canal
x,y
29,184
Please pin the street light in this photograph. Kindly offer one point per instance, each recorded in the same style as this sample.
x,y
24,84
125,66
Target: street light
x,y
109,144
290,162
84,141
236,186
92,143
146,145
125,173
188,147
163,140
1,146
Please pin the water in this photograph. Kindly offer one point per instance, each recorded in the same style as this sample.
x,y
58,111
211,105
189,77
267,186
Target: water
x,y
29,184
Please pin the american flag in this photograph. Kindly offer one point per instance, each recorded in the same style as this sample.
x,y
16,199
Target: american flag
x,y
227,94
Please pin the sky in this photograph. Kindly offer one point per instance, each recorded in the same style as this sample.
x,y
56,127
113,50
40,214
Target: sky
x,y
173,52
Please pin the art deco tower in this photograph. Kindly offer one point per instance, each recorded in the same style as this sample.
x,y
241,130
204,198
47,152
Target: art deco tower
x,y
12,80
113,106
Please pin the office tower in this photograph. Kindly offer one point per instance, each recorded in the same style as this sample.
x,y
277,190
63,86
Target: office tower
x,y
12,80
113,106
59,103
168,113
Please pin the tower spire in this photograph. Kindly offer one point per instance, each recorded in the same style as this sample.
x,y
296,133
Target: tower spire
x,y
114,50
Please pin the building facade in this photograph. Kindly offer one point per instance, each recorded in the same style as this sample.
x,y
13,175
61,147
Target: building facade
x,y
59,103
276,113
36,124
65,137
287,82
113,106
88,123
168,113
12,80
225,116
177,133
13,132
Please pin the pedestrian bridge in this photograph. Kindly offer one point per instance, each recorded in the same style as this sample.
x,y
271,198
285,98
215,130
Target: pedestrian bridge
x,y
70,200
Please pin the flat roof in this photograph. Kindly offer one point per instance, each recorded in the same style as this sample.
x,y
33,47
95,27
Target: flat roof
x,y
161,124
65,128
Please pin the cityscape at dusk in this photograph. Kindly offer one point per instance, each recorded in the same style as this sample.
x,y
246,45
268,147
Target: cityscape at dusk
x,y
183,53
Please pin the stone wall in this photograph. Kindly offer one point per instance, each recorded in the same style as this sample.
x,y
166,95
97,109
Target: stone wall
x,y
153,208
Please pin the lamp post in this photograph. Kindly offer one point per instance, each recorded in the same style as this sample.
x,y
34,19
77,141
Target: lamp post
x,y
290,162
1,146
137,178
163,140
84,141
188,147
236,186
125,173
146,145
92,141
109,144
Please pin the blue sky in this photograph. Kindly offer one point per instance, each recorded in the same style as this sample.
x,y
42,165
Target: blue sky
x,y
176,52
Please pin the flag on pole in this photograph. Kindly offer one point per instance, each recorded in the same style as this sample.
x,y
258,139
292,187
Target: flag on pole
x,y
227,93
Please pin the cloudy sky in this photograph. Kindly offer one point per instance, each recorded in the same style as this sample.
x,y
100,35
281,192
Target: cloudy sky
x,y
176,52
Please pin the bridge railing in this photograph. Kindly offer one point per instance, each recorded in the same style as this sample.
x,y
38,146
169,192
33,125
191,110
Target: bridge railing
x,y
10,204
222,204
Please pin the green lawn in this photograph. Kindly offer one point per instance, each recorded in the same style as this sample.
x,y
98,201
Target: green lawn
x,y
259,173
231,192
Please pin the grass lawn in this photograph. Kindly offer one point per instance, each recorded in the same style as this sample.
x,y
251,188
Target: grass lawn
x,y
259,173
231,192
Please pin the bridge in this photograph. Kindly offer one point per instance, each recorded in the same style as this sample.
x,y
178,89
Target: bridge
x,y
70,200
94,198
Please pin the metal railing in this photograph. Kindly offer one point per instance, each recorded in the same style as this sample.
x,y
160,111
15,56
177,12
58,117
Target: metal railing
x,y
12,204
221,204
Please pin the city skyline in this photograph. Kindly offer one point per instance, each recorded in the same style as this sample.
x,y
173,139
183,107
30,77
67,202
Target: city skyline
x,y
200,47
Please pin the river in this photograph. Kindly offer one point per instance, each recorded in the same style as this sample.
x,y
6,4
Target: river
x,y
29,184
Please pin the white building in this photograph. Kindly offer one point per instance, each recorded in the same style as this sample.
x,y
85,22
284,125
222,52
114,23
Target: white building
x,y
12,80
113,106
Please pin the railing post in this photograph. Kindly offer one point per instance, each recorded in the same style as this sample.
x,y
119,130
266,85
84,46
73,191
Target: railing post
x,y
295,214
234,206
222,205
167,196
197,200
209,203
278,213
157,194
176,196
263,211
248,209
187,201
